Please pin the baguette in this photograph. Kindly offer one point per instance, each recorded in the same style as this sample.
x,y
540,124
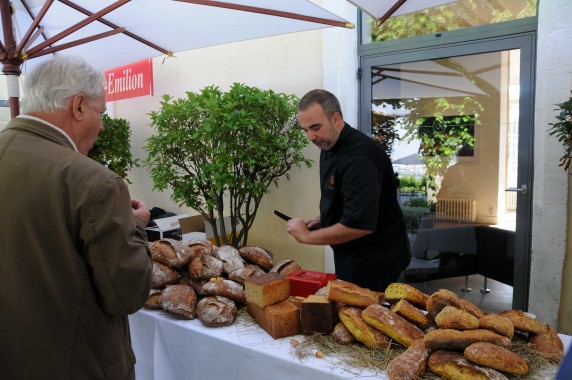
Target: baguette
x,y
496,357
398,291
523,322
458,340
350,294
352,319
412,314
392,325
411,364
454,366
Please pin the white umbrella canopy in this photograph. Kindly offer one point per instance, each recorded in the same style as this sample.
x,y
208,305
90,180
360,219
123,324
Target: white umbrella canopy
x,y
381,10
113,33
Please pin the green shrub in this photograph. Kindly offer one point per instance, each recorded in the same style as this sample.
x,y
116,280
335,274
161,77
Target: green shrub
x,y
417,202
413,215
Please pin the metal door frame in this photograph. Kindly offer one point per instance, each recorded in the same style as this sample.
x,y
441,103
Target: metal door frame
x,y
520,34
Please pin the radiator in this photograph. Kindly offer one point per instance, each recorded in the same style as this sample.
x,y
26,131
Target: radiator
x,y
457,210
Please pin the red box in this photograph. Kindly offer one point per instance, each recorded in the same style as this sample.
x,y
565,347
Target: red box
x,y
305,282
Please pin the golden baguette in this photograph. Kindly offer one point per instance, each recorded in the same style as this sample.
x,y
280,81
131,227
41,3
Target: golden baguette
x,y
351,317
350,294
454,366
412,314
392,325
398,291
458,340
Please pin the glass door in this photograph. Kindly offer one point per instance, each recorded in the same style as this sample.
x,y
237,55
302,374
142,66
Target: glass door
x,y
458,128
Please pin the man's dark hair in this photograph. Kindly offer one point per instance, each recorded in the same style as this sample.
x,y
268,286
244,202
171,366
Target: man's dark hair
x,y
325,99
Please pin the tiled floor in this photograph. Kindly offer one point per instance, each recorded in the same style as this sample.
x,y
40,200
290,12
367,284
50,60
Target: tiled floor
x,y
498,299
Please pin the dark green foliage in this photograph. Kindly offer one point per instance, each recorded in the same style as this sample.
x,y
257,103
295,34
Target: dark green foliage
x,y
562,129
112,148
219,152
413,217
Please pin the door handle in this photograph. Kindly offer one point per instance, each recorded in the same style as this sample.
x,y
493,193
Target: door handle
x,y
523,189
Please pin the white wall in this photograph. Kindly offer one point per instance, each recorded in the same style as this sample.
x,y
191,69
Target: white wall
x,y
550,193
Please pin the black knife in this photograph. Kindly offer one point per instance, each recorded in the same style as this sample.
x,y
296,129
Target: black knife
x,y
280,215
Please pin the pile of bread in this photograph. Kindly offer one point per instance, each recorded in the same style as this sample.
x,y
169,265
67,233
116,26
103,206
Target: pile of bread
x,y
197,279
447,334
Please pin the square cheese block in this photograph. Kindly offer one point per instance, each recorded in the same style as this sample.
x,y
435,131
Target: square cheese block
x,y
318,315
279,320
267,289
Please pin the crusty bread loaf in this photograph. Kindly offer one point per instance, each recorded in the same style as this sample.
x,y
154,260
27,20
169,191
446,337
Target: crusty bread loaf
x,y
154,300
496,357
398,291
392,325
352,319
342,335
240,275
452,318
348,293
454,366
412,314
548,343
411,364
497,323
201,247
443,297
286,267
216,311
279,320
317,315
172,253
230,258
227,288
180,301
259,256
163,275
205,267
523,322
458,340
267,289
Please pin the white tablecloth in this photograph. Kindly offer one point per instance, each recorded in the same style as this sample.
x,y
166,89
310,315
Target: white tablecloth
x,y
171,349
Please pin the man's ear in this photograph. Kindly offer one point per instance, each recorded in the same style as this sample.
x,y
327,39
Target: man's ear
x,y
78,106
338,121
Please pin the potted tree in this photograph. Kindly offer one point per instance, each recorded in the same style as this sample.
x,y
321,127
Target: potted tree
x,y
113,147
562,129
219,152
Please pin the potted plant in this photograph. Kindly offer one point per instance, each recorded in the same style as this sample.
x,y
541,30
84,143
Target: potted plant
x,y
219,152
562,129
112,148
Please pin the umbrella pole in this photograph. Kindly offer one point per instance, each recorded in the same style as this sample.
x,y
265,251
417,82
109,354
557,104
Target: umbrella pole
x,y
13,94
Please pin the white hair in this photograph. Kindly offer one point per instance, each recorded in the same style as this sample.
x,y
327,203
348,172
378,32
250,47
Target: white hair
x,y
49,86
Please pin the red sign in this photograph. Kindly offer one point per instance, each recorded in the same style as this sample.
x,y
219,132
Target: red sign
x,y
129,81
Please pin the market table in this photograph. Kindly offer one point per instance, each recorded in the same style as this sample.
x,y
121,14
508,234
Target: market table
x,y
171,349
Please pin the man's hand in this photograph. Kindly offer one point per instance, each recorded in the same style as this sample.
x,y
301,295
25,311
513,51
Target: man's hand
x,y
141,211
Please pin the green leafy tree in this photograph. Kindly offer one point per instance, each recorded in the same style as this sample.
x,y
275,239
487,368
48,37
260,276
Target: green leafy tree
x,y
112,148
562,129
221,151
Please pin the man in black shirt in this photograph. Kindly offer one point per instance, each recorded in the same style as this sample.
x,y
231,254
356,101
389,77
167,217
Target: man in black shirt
x,y
360,216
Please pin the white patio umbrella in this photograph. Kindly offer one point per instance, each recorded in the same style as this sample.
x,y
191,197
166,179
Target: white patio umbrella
x,y
113,33
381,10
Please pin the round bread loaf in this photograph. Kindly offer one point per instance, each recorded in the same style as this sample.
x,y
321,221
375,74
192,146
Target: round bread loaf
x,y
163,275
342,335
230,258
497,323
286,267
172,253
452,318
205,267
523,322
258,256
180,301
227,288
216,311
496,357
548,343
201,247
154,300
